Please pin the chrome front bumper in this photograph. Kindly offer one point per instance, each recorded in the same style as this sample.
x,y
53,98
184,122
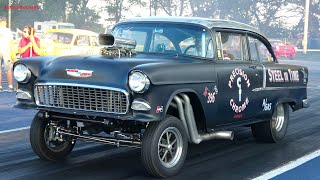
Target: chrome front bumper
x,y
305,103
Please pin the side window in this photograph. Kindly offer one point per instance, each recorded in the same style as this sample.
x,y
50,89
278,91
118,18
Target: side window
x,y
82,40
259,51
231,46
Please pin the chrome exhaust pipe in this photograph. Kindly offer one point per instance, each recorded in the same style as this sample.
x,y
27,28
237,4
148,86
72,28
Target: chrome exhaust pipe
x,y
218,135
187,117
190,133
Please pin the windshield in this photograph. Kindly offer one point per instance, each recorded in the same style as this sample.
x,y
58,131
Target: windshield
x,y
58,37
168,38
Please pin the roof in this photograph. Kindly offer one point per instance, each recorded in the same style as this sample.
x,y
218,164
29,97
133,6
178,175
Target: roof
x,y
73,31
206,22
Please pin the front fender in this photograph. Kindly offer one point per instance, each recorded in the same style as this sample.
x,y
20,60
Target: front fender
x,y
35,64
187,90
159,98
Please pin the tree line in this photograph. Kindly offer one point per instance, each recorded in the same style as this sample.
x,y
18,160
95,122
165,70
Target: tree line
x,y
267,15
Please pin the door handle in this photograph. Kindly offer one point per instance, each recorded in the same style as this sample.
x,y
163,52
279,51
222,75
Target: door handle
x,y
253,66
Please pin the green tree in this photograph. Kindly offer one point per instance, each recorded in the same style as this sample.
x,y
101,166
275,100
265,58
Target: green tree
x,y
204,8
170,7
115,8
314,16
23,17
54,10
83,17
263,14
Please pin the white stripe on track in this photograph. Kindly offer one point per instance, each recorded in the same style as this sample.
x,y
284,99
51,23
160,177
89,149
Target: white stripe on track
x,y
289,166
13,130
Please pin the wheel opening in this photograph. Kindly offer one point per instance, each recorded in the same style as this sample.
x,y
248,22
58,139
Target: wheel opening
x,y
198,112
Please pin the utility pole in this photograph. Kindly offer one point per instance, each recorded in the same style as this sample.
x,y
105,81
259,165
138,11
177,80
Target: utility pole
x,y
306,22
150,8
9,14
155,7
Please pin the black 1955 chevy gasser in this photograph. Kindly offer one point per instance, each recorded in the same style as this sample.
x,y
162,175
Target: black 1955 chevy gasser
x,y
159,84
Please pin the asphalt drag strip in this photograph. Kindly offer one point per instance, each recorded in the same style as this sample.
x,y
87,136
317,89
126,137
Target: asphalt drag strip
x,y
306,167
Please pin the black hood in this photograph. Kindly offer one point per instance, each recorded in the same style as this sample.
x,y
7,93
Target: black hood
x,y
113,72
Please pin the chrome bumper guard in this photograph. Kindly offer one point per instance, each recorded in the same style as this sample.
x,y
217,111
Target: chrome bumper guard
x,y
305,103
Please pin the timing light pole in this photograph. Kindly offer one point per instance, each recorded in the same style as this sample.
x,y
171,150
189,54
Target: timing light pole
x,y
9,14
306,21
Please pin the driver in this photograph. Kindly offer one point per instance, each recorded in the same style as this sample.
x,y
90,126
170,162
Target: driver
x,y
202,46
196,48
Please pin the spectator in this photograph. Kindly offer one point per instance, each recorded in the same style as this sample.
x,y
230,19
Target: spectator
x,y
5,38
29,45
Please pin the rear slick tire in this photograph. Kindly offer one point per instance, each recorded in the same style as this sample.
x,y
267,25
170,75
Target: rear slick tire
x,y
164,147
273,131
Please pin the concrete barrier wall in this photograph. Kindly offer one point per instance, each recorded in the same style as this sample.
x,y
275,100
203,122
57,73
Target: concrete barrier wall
x,y
312,54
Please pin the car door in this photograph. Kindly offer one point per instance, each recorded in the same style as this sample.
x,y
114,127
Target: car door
x,y
260,54
237,78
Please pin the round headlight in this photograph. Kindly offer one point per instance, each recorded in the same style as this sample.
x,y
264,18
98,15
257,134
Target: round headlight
x,y
21,73
138,82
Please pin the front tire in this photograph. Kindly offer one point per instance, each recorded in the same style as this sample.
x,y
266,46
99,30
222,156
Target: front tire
x,y
274,130
164,147
53,150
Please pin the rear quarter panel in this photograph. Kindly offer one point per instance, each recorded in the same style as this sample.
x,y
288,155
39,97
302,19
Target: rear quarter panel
x,y
286,83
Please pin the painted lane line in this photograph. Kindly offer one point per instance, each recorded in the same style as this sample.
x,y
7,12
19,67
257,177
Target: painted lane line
x,y
289,166
13,130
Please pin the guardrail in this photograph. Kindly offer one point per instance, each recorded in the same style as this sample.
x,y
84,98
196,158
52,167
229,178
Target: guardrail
x,y
312,54
309,50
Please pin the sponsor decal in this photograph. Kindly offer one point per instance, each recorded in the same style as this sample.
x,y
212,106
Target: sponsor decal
x,y
79,73
239,108
159,109
289,75
237,116
238,73
211,95
266,106
239,80
305,76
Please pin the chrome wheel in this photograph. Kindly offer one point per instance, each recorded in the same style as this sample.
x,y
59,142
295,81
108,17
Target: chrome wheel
x,y
278,118
170,147
275,129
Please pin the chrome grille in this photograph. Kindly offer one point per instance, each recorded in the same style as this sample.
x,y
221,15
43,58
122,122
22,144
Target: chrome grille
x,y
82,97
